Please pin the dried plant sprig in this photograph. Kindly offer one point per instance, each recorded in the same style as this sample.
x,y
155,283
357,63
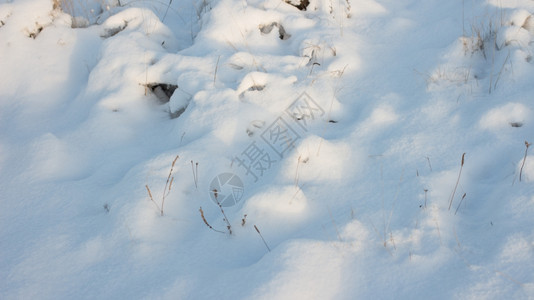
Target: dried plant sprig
x,y
457,181
228,226
264,242
168,183
169,179
166,190
151,198
206,222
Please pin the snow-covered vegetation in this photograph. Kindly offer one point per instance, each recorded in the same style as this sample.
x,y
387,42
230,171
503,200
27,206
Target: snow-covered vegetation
x,y
262,149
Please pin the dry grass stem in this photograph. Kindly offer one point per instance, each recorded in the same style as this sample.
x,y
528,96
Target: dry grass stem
x,y
194,168
166,190
151,198
429,165
216,68
166,10
258,231
335,225
500,71
206,222
228,226
524,159
460,203
168,184
457,182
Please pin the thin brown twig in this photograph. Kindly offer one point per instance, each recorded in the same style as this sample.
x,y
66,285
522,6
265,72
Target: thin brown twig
x,y
258,231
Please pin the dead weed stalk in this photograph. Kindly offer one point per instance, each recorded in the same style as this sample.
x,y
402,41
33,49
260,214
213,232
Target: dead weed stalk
x,y
166,190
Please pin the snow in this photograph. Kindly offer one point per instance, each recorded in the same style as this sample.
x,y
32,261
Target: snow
x,y
406,170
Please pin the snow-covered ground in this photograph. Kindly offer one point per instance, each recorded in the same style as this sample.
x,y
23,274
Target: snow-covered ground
x,y
376,149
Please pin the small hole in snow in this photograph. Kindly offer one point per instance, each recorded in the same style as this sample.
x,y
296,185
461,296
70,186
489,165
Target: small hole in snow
x,y
300,4
163,91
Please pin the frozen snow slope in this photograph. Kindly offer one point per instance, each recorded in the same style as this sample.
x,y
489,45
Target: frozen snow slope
x,y
381,147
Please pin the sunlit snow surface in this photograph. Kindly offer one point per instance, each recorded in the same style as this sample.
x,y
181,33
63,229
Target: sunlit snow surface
x,y
346,124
